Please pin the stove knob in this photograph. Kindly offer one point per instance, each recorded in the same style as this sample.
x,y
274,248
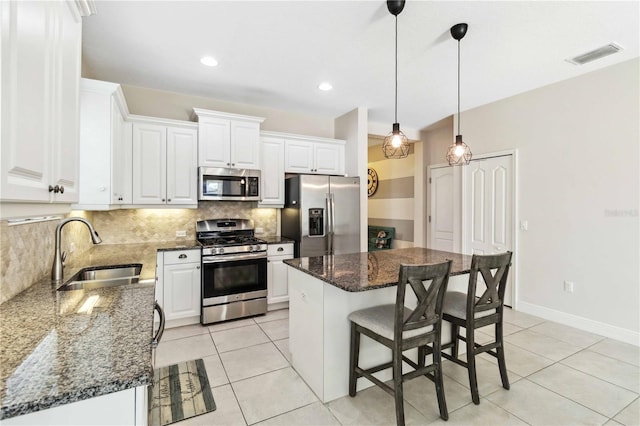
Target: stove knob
x,y
219,250
251,248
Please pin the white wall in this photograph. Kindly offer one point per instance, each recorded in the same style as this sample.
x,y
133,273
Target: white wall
x,y
578,186
352,127
158,103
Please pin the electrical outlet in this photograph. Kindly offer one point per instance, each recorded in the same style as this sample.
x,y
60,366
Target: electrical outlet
x,y
524,225
181,233
568,286
259,230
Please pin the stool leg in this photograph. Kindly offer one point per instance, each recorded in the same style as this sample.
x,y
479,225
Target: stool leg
x,y
437,360
455,330
471,365
354,352
397,384
500,352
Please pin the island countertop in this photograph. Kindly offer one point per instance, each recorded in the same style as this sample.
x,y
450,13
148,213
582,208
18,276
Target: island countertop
x,y
371,270
52,354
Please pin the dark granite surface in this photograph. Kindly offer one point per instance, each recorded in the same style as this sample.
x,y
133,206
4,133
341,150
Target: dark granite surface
x,y
368,271
50,354
276,239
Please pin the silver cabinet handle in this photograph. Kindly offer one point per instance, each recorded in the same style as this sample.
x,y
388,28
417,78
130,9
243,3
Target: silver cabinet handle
x,y
61,189
280,248
168,200
182,256
158,336
163,200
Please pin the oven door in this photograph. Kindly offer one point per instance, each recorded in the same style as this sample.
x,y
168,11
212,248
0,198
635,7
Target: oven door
x,y
233,278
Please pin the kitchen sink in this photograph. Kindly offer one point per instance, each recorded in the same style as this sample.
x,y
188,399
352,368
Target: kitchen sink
x,y
103,276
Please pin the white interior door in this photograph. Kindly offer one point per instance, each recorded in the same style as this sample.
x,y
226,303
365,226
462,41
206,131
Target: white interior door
x,y
441,229
487,209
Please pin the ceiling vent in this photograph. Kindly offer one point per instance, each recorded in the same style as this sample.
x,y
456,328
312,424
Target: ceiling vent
x,y
598,53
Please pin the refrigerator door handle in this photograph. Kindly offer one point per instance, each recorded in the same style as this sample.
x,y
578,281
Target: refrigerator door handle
x,y
331,212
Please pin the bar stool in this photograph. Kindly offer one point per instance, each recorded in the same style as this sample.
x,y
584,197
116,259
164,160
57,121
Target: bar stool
x,y
472,312
400,328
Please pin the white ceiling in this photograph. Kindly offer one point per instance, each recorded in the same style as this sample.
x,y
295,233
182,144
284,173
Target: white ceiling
x,y
275,53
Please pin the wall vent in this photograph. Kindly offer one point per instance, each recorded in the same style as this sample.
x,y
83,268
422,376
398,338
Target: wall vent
x,y
598,53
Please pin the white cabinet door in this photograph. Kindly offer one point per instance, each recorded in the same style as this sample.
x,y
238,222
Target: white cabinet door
x,y
179,282
164,163
122,167
309,156
329,159
272,177
214,146
182,158
181,291
105,147
149,163
117,408
298,157
66,106
245,145
277,285
40,77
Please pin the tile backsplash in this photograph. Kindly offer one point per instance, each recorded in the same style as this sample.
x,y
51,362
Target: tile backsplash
x,y
151,225
26,250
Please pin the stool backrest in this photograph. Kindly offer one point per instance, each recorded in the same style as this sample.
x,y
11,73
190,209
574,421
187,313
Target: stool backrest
x,y
429,283
495,282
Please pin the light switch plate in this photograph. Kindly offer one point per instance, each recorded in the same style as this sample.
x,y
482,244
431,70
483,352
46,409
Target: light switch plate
x,y
181,233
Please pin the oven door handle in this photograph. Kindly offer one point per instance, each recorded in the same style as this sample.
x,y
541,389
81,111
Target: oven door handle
x,y
227,258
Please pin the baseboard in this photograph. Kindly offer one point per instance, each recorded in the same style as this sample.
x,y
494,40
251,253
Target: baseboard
x,y
591,326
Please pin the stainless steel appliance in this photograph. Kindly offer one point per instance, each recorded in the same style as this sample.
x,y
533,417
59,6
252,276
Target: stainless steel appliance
x,y
234,270
228,184
322,214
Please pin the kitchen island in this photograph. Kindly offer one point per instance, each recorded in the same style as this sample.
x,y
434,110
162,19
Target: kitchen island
x,y
323,290
58,352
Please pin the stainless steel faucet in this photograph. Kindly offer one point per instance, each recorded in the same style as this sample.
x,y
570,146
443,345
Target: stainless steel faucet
x,y
58,257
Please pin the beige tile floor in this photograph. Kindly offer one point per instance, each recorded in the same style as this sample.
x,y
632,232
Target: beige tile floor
x,y
559,376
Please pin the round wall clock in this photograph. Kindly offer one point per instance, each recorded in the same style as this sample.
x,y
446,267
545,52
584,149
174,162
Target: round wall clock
x,y
372,182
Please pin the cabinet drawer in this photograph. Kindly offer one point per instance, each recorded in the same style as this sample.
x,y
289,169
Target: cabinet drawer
x,y
279,249
181,256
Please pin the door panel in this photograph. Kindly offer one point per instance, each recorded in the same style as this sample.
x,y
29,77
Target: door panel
x,y
346,203
441,230
489,209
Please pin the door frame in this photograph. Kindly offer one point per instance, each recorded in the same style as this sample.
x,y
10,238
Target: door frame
x,y
514,213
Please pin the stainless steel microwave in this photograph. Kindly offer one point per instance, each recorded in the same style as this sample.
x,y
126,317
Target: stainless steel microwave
x,y
228,184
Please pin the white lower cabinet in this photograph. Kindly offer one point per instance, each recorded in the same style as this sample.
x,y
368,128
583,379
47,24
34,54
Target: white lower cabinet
x,y
178,286
277,286
127,407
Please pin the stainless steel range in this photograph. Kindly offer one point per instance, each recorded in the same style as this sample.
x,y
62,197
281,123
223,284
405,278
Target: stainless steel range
x,y
234,270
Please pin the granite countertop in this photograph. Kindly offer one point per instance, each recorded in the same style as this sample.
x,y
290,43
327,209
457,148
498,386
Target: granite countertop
x,y
50,354
276,239
370,270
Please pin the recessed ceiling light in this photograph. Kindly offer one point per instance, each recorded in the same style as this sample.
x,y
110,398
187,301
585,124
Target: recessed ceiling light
x,y
209,61
325,86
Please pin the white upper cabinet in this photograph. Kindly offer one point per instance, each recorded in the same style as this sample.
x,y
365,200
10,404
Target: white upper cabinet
x,y
272,176
105,146
314,155
228,140
164,163
41,48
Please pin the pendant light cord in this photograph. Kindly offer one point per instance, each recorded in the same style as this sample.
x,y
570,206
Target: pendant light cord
x,y
458,86
396,98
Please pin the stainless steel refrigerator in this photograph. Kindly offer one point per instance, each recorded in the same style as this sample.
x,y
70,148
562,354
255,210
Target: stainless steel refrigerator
x,y
322,214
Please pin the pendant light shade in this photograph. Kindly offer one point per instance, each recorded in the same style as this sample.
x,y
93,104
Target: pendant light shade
x,y
396,144
459,153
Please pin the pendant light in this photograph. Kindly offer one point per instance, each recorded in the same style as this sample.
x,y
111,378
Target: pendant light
x,y
459,153
396,144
